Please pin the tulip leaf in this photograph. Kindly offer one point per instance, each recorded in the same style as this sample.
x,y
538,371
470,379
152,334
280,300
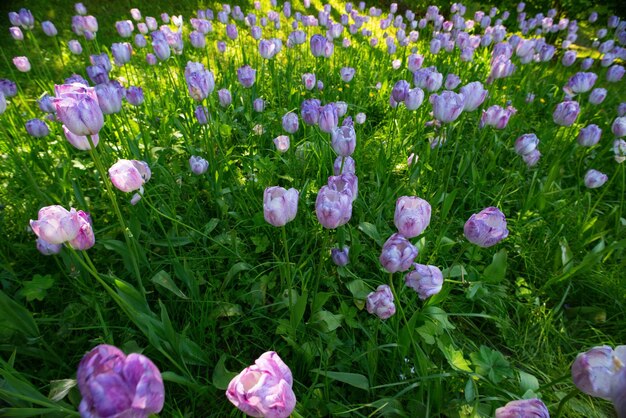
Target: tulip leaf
x,y
221,376
371,231
495,272
14,316
352,379
491,364
162,278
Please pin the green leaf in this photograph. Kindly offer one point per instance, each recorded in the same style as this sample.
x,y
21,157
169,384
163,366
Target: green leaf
x,y
457,270
358,288
496,271
14,316
225,310
371,231
455,357
470,392
491,364
528,382
162,278
326,321
37,288
221,376
352,379
60,388
261,243
439,316
567,258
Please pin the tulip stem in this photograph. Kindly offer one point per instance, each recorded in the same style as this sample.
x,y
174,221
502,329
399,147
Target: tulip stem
x,y
288,267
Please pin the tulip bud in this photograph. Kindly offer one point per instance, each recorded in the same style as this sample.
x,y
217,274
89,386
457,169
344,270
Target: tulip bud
x,y
447,107
497,116
22,64
615,73
619,127
343,140
380,302
566,113
198,165
279,205
308,80
121,53
113,384
224,97
258,105
360,117
264,389
597,96
412,216
328,118
486,228
425,280
75,47
282,143
246,76
568,58
129,175
37,128
348,165
332,207
340,256
523,408
619,149
397,254
200,81
526,144
77,107
134,95
16,33
110,97
589,135
473,95
290,122
595,179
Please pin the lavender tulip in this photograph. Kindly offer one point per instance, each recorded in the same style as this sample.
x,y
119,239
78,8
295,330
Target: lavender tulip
x,y
56,225
282,143
129,175
264,389
80,142
75,47
224,97
308,80
532,158
566,113
412,216
343,140
400,90
615,73
202,114
596,372
447,106
121,53
360,117
267,49
290,122
380,302
589,135
340,256
486,228
26,19
200,81
113,384
97,74
246,76
318,45
568,58
413,100
347,73
473,95
124,28
198,165
595,179
110,97
37,128
580,83
526,144
279,205
332,207
397,254
16,33
310,111
328,117
426,280
523,408
597,96
85,239
134,95
22,64
343,165
619,127
497,116
345,183
452,81
77,107
428,79
46,248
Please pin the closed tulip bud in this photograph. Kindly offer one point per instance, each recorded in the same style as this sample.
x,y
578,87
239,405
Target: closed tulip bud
x,y
134,95
568,58
197,39
151,22
580,83
343,140
45,103
425,280
282,143
231,31
37,128
56,225
22,64
328,118
121,53
347,73
346,182
566,113
26,19
619,149
428,79
161,49
586,64
258,105
129,175
486,228
595,179
526,144
397,254
340,256
380,302
414,62
619,127
532,158
246,76
290,122
135,14
77,107
151,59
80,9
308,80
523,408
124,28
224,97
452,81
318,45
264,389
400,90
589,135
46,248
332,207
413,100
200,81
412,216
85,238
497,116
48,28
16,33
79,141
348,164
14,18
75,47
113,384
360,117
615,73
320,85
621,109
198,165
473,95
447,107
310,111
202,114
110,97
279,205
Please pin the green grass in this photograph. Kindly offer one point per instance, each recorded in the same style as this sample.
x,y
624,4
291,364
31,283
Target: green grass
x,y
194,278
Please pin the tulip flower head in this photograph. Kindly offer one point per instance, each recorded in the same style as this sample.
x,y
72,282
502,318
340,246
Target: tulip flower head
x,y
526,144
340,256
412,216
380,302
56,225
77,107
566,113
497,116
264,389
113,384
333,207
448,106
589,135
200,81
280,206
198,165
595,179
523,408
425,280
130,175
282,143
486,228
397,254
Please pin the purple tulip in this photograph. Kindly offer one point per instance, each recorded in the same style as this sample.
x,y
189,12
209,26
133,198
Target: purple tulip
x,y
135,14
79,141
589,135
85,238
345,183
595,179
486,228
258,105
413,100
428,79
332,207
202,114
246,76
342,108
75,47
56,225
526,144
290,122
200,81
224,97
340,256
197,39
124,28
452,81
447,106
400,90
46,248
473,95
397,254
497,116
532,158
566,113
523,408
328,117
347,73
360,117
37,128
45,103
596,372
134,95
615,73
77,107
568,58
344,165
279,205
97,74
310,111
343,140
501,67
80,9
282,143
231,31
121,53
619,149
412,216
318,45
26,19
380,302
22,64
580,83
414,62
264,389
267,49
621,109
101,60
113,384
129,175
198,165
426,280
110,97
308,79
619,127
16,33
